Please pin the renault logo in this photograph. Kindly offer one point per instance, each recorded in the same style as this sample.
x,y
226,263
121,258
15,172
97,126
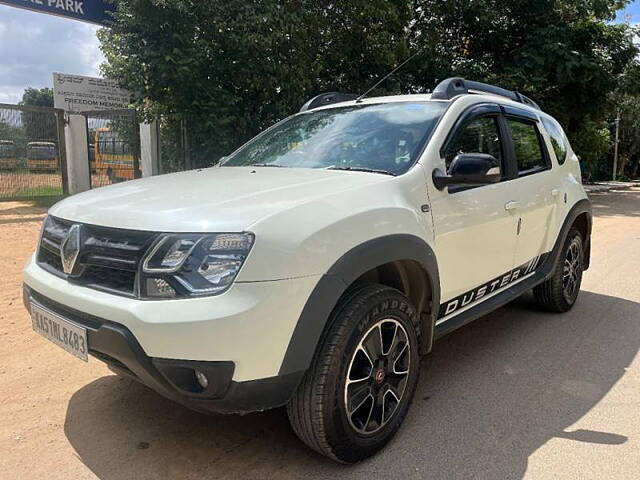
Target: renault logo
x,y
70,248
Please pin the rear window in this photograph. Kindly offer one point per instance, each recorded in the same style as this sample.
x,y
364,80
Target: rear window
x,y
110,143
527,146
558,139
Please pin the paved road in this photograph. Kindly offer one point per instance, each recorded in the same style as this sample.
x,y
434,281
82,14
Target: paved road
x,y
517,394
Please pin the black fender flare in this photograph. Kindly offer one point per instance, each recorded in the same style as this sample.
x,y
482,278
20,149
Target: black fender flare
x,y
581,207
352,265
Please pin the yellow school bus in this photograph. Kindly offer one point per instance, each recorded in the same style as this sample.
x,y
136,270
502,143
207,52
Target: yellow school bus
x,y
42,156
8,159
113,156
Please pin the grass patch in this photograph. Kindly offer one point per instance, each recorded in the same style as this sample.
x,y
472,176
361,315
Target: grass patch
x,y
44,191
44,196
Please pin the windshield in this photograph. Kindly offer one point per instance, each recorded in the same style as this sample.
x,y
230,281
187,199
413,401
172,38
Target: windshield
x,y
41,152
385,138
7,150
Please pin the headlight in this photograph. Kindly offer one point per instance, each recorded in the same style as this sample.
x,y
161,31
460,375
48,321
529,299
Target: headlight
x,y
182,265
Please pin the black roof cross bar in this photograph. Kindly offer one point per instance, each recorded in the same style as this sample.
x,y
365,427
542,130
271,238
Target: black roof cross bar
x,y
327,99
451,87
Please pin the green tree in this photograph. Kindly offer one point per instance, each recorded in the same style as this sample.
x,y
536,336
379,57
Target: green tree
x,y
230,69
628,106
37,97
39,126
565,54
10,132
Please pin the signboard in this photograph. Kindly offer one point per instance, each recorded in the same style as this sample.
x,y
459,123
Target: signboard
x,y
92,11
76,93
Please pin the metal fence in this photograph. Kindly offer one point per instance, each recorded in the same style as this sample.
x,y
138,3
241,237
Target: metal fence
x,y
32,152
113,140
188,142
174,154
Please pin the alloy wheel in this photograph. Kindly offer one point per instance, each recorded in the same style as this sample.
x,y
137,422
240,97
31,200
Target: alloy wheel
x,y
377,376
572,270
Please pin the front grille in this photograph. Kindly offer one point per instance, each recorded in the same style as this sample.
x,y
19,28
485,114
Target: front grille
x,y
110,279
108,258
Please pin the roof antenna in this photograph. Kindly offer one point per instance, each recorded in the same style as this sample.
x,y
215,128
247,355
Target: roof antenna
x,y
387,76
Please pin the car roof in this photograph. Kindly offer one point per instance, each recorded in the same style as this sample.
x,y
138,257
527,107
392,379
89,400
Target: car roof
x,y
426,97
448,90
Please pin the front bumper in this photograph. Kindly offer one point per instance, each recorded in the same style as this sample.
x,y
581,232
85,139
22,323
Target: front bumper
x,y
175,379
239,338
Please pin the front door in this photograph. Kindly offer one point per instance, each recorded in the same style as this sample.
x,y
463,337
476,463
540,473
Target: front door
x,y
475,228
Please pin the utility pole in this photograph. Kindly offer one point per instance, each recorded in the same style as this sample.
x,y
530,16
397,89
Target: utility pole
x,y
615,147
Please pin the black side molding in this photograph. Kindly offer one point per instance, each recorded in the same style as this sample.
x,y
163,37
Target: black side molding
x,y
543,273
353,264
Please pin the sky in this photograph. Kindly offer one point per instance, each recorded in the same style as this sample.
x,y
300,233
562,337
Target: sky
x,y
33,45
631,13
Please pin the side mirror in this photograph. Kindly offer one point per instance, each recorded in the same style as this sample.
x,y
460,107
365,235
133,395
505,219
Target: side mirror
x,y
469,169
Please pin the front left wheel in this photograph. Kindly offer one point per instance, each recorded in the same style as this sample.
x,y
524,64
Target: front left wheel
x,y
359,387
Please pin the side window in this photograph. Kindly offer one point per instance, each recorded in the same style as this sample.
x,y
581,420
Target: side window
x,y
480,135
527,146
557,139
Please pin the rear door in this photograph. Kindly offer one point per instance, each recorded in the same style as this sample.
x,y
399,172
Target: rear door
x,y
537,193
474,227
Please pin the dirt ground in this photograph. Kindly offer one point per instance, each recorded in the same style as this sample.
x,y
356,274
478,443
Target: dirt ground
x,y
516,394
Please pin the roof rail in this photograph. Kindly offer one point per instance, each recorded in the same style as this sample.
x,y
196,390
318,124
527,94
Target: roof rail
x,y
327,99
451,87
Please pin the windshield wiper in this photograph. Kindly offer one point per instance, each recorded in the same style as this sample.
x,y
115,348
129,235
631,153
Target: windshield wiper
x,y
268,165
362,169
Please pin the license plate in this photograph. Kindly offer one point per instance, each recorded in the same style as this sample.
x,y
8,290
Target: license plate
x,y
62,332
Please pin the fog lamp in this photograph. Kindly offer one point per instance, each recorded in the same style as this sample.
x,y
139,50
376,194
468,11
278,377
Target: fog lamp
x,y
202,379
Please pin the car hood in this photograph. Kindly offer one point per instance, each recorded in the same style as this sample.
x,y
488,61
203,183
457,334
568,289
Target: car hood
x,y
226,199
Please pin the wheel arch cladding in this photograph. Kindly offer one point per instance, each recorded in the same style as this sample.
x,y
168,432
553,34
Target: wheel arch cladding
x,y
580,217
583,223
401,256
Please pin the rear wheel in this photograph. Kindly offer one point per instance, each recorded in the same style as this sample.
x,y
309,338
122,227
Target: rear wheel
x,y
357,392
559,292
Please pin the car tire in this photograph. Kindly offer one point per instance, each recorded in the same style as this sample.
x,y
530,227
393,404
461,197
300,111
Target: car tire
x,y
358,389
559,292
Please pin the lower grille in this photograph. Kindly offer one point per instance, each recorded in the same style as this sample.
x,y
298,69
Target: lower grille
x,y
107,258
109,360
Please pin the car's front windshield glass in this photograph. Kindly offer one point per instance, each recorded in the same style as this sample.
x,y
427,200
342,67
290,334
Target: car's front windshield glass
x,y
383,137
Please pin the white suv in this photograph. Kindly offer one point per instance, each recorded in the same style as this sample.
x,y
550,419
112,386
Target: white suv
x,y
316,264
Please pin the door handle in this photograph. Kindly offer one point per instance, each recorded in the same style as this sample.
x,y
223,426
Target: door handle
x,y
513,205
555,192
